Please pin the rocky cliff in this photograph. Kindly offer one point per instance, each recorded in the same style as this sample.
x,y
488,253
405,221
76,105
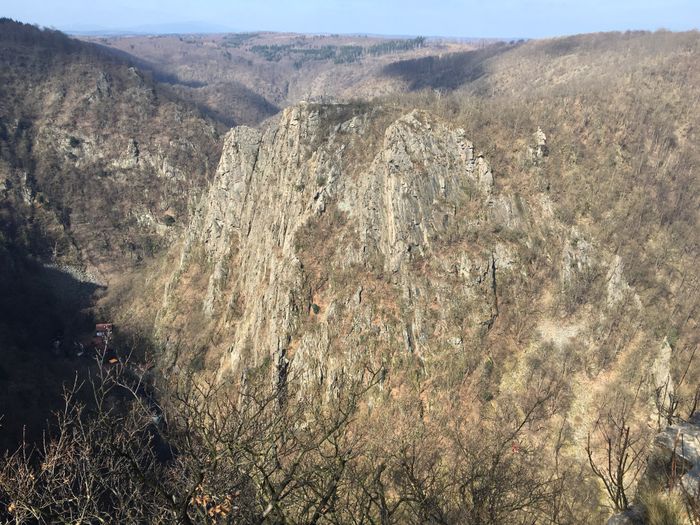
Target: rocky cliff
x,y
352,233
364,235
339,235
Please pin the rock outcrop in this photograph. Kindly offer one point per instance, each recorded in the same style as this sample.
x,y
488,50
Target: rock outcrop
x,y
682,440
353,235
341,235
538,149
677,445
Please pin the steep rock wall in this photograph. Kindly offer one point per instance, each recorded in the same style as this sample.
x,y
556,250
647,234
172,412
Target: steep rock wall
x,y
353,234
337,236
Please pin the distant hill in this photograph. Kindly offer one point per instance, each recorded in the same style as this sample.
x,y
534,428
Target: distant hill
x,y
246,77
184,28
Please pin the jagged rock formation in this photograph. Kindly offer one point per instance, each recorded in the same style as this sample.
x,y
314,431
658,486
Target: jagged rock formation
x,y
353,234
349,234
337,236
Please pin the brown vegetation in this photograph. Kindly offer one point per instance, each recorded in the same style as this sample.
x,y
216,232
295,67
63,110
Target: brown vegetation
x,y
256,453
245,78
509,425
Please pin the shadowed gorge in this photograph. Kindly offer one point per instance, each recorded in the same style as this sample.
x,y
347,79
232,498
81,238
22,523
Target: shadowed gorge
x,y
446,72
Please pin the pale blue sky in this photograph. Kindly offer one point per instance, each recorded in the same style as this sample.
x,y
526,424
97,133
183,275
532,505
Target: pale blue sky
x,y
466,18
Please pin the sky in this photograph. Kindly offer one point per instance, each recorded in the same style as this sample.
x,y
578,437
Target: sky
x,y
457,18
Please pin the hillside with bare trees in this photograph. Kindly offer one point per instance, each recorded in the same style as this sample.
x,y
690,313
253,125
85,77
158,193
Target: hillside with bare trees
x,y
430,282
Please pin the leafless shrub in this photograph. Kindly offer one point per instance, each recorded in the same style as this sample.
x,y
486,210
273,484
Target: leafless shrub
x,y
617,451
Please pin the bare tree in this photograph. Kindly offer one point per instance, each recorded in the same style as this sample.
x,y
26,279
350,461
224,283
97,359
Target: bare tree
x,y
616,452
201,455
221,452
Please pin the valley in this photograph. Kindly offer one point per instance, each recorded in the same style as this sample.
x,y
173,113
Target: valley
x,y
248,77
371,280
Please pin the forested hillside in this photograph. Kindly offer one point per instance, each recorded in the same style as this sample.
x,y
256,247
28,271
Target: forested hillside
x,y
97,168
468,295
244,78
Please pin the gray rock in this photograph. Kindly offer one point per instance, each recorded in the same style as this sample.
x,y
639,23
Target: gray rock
x,y
632,516
683,440
375,209
538,150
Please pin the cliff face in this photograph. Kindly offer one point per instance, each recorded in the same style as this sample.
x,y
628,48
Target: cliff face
x,y
347,235
339,234
352,234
